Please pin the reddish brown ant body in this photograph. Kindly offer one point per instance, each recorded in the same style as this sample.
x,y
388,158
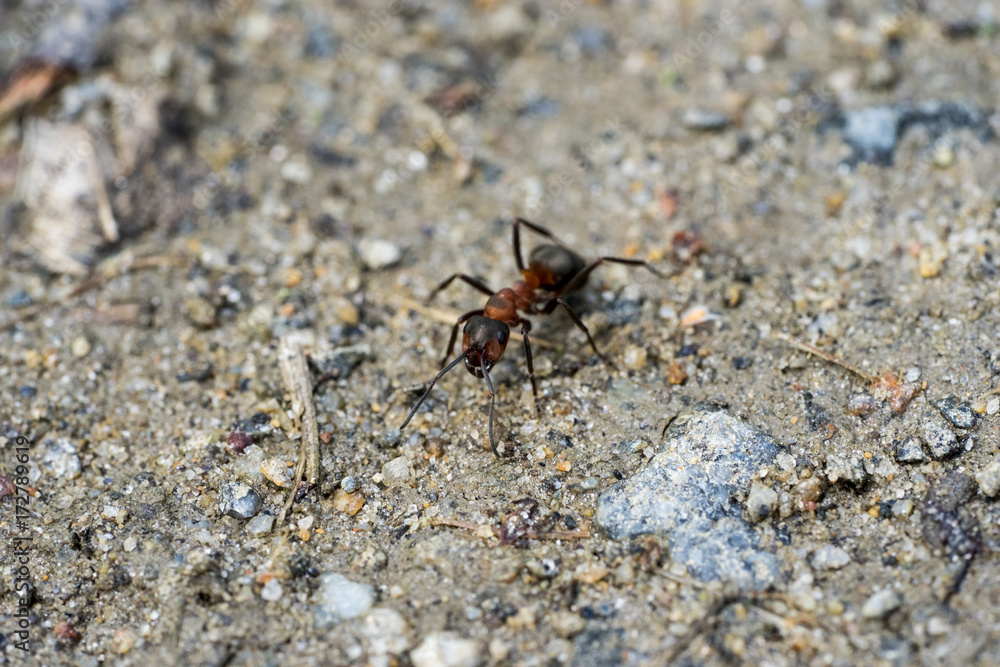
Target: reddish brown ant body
x,y
552,271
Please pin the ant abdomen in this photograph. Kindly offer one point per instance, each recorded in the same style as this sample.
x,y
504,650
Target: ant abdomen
x,y
555,266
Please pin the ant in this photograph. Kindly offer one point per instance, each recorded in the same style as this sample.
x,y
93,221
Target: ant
x,y
552,271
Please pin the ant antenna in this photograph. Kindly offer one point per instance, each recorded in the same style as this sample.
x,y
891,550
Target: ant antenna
x,y
493,401
431,386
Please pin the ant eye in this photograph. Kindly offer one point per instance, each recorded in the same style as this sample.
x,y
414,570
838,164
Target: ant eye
x,y
502,337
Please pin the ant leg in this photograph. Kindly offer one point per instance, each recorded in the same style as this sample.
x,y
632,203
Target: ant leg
x,y
551,305
454,333
517,238
578,280
525,328
479,285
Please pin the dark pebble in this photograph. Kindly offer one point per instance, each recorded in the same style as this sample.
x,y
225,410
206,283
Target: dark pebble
x,y
957,412
705,121
591,39
19,299
239,501
941,441
28,391
908,451
238,440
742,363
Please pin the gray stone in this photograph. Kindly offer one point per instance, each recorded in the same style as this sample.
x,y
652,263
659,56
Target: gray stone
x,y
941,441
908,450
260,524
761,502
387,632
881,604
830,557
339,599
397,471
847,470
873,131
902,508
685,494
349,484
705,121
239,501
378,253
61,460
989,478
446,649
957,412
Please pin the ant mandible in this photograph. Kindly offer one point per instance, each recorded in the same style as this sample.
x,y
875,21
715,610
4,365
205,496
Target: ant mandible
x,y
552,271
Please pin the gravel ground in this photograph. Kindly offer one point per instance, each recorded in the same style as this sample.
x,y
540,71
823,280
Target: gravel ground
x,y
184,186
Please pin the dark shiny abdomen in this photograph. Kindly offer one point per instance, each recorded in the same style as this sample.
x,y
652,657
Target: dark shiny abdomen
x,y
555,266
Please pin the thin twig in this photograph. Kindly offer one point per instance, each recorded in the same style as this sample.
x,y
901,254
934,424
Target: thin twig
x,y
456,523
295,372
812,349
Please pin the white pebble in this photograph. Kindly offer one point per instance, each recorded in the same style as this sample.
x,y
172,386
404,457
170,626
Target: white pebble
x,y
993,406
446,649
397,471
271,591
340,599
881,604
378,253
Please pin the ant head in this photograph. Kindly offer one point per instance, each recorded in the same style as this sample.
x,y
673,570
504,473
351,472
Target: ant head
x,y
483,341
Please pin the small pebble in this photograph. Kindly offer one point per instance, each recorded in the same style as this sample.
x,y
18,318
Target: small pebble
x,y
830,557
80,347
938,627
349,484
908,450
993,406
397,471
379,253
296,171
238,440
239,501
635,357
881,604
941,441
847,470
957,412
247,466
761,502
348,503
902,508
276,472
387,632
566,624
944,155
339,599
272,590
446,649
989,478
260,524
705,121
